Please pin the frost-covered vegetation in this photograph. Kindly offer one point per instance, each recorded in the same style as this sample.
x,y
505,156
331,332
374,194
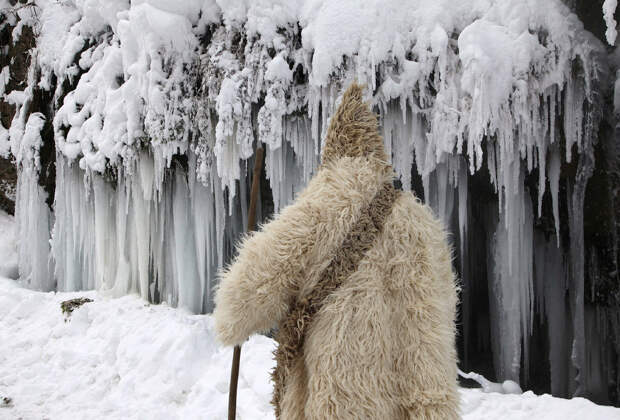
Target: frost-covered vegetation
x,y
491,111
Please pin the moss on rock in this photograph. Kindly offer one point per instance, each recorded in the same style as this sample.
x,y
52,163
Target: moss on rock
x,y
68,306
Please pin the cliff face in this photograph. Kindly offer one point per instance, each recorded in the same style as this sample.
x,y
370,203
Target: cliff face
x,y
14,62
132,127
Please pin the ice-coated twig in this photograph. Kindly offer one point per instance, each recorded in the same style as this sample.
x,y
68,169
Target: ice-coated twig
x,y
506,387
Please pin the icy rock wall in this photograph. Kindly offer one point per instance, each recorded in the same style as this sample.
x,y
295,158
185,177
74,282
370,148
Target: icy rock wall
x,y
14,63
490,111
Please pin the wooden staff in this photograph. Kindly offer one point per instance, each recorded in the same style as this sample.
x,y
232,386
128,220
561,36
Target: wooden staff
x,y
234,373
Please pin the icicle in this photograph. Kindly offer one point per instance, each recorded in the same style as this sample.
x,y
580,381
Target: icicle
x,y
401,134
551,273
574,97
298,134
204,218
554,182
186,274
33,217
609,9
511,285
104,234
462,194
445,194
220,218
578,356
284,175
542,174
123,269
141,228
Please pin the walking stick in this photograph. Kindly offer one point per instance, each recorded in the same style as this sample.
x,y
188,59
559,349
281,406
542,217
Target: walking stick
x,y
234,373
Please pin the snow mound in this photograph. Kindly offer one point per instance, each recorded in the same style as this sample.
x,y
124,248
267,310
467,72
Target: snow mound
x,y
126,359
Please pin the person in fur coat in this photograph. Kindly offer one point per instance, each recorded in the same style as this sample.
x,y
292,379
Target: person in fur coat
x,y
382,345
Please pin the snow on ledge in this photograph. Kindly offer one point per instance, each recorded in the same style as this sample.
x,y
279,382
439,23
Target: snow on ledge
x,y
124,358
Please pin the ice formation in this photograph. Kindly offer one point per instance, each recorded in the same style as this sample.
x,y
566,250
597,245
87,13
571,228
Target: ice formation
x,y
609,8
506,387
158,107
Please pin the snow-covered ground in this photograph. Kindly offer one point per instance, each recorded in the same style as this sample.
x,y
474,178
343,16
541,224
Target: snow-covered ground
x,y
119,359
126,359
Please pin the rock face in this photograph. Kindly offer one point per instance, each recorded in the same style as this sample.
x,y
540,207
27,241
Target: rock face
x,y
15,58
132,128
8,180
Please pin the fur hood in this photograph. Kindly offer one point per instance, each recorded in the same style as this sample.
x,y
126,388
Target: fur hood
x,y
353,131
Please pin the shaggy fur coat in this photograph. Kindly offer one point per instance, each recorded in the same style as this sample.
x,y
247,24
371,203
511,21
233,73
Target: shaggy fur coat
x,y
382,345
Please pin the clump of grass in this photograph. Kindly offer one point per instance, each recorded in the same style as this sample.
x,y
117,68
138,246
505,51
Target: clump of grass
x,y
70,305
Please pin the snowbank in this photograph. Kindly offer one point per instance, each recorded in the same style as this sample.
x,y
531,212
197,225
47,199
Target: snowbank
x,y
126,359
